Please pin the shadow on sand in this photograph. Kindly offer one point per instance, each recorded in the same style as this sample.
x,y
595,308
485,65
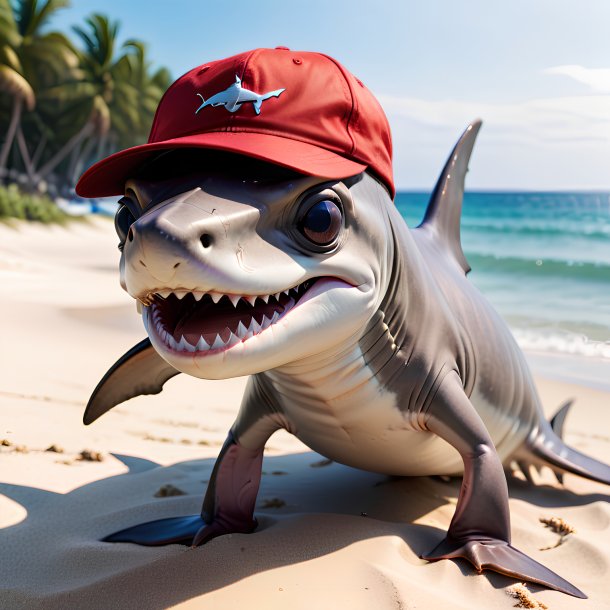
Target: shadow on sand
x,y
330,506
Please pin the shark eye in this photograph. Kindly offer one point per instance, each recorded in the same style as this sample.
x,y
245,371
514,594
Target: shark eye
x,y
322,222
123,219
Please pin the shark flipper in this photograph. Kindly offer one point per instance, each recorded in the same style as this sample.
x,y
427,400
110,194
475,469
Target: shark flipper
x,y
480,528
444,210
547,448
558,420
139,371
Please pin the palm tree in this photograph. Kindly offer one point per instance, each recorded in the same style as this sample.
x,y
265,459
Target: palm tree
x,y
91,90
135,109
120,94
12,80
29,58
65,107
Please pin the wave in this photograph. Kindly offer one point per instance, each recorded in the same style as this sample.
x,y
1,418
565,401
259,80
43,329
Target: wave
x,y
564,343
543,229
541,267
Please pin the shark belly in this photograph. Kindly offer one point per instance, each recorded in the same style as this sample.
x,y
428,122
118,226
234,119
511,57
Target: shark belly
x,y
363,427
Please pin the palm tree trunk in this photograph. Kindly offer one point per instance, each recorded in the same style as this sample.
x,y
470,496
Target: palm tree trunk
x,y
25,156
81,160
38,152
74,157
10,134
61,154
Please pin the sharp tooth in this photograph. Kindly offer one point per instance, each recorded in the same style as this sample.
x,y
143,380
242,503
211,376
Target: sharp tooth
x,y
184,345
215,296
275,317
171,341
180,293
198,295
266,323
277,296
241,330
287,292
202,344
218,343
164,293
264,297
233,340
250,300
234,298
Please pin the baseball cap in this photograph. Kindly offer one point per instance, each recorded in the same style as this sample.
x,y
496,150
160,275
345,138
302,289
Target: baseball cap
x,y
300,110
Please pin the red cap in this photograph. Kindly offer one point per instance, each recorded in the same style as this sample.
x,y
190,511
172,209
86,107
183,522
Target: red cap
x,y
300,110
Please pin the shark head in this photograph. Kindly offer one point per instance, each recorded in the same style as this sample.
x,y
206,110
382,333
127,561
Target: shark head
x,y
244,270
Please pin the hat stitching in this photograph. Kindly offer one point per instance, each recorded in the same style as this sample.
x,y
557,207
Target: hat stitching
x,y
236,129
349,98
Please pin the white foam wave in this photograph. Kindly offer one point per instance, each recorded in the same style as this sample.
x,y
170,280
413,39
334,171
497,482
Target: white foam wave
x,y
562,342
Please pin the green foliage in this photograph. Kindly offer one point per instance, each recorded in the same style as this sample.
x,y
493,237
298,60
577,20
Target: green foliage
x,y
16,204
71,104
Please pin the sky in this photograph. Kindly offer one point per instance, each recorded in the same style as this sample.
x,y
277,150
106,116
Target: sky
x,y
536,71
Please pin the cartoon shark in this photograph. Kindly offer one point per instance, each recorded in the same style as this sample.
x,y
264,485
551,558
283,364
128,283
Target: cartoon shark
x,y
235,95
363,338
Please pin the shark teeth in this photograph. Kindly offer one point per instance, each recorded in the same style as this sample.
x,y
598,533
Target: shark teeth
x,y
247,327
164,293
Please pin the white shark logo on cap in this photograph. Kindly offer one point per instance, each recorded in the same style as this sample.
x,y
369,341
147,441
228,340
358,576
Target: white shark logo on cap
x,y
235,95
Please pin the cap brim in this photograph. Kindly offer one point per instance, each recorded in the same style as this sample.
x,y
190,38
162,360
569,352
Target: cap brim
x,y
108,176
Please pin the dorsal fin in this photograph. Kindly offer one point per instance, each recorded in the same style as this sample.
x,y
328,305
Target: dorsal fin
x,y
445,207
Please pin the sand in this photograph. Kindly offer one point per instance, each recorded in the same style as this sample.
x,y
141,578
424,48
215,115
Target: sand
x,y
329,536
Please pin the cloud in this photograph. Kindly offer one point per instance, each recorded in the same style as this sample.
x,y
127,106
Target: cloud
x,y
543,143
545,119
596,78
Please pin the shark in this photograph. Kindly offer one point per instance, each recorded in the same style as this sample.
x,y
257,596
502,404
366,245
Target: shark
x,y
235,95
361,336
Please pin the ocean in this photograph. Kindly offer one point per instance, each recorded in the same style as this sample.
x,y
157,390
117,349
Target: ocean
x,y
543,261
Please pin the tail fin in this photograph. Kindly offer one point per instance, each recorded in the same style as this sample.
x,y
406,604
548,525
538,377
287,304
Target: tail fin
x,y
202,103
444,211
548,448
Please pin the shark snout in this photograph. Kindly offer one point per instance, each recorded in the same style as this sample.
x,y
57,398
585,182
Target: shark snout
x,y
185,244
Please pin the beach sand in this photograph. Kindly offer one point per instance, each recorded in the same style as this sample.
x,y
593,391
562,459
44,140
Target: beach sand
x,y
329,536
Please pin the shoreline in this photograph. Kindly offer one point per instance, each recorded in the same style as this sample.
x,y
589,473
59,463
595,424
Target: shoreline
x,y
587,371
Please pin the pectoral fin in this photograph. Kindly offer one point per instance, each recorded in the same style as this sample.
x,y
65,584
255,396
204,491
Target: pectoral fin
x,y
139,371
480,528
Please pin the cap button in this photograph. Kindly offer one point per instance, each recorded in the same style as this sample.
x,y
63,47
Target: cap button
x,y
282,49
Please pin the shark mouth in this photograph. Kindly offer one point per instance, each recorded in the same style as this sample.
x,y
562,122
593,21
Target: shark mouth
x,y
194,321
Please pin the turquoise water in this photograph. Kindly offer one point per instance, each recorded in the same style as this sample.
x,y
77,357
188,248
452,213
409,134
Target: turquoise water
x,y
542,260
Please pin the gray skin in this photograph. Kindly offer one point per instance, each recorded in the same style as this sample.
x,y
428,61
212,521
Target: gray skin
x,y
391,361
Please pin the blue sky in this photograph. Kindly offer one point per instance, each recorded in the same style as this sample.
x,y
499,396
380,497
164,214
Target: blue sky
x,y
537,72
